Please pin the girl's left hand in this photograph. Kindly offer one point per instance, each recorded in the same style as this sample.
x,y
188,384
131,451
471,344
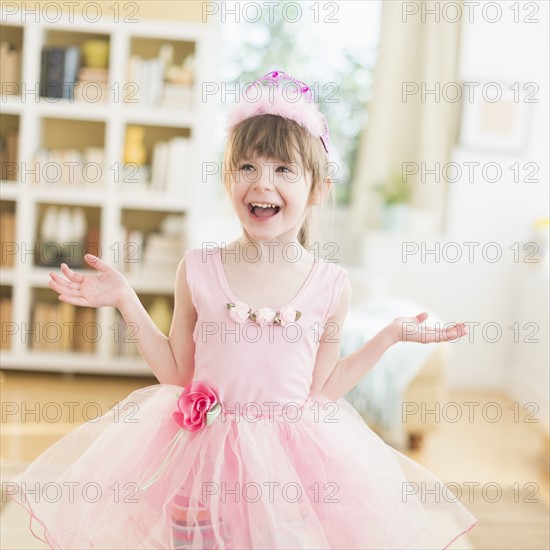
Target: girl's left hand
x,y
410,329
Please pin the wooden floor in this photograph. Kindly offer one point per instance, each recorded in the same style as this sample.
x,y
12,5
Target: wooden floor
x,y
510,452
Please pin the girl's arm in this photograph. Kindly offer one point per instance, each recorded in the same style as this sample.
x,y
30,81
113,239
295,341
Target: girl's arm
x,y
334,378
170,358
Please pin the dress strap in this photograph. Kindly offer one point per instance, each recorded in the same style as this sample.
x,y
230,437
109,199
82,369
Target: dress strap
x,y
203,277
330,285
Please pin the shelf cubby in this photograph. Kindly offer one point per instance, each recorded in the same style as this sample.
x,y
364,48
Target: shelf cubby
x,y
65,233
10,80
8,238
9,147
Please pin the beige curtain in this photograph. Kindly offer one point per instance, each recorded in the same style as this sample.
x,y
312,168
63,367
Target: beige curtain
x,y
417,52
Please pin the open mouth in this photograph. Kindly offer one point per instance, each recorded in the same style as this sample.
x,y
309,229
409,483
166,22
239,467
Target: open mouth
x,y
263,209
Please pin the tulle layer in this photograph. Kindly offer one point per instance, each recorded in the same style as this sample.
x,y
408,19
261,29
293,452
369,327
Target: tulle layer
x,y
314,476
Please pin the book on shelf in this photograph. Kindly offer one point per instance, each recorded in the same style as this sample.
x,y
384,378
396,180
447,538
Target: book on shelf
x,y
93,85
41,338
67,314
145,79
70,167
10,68
6,316
59,71
7,237
162,255
133,251
9,143
124,338
177,96
86,329
92,243
155,254
148,85
170,165
63,327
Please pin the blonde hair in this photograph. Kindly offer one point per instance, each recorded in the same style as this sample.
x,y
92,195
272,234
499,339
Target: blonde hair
x,y
275,137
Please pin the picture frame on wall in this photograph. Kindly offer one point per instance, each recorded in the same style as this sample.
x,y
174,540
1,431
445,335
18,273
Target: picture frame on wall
x,y
496,116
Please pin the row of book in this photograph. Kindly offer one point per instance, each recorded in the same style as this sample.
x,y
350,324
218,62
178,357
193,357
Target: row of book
x,y
170,165
59,68
63,76
69,167
167,171
126,336
10,68
63,327
7,237
5,317
92,85
152,255
53,253
9,143
147,85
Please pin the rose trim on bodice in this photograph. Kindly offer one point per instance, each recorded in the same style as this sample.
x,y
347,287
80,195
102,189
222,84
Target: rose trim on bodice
x,y
240,312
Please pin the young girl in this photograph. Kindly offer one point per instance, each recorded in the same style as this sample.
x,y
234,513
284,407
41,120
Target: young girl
x,y
247,442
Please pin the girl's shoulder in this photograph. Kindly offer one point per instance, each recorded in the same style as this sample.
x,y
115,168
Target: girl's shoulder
x,y
333,284
203,256
332,267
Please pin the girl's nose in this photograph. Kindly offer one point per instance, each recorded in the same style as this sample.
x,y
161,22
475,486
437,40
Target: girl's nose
x,y
263,182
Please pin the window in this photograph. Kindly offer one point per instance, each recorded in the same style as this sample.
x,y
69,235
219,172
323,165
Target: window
x,y
331,46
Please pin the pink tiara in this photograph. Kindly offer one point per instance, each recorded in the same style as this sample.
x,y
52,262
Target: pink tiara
x,y
294,102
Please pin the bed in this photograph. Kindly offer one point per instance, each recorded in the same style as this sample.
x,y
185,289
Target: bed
x,y
395,398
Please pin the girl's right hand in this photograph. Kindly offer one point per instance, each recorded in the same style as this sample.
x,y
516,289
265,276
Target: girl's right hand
x,y
109,288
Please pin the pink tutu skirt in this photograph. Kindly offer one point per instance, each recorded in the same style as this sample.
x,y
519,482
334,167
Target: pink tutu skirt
x,y
316,477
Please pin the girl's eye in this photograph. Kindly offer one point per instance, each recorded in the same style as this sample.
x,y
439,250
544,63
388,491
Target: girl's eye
x,y
246,167
283,169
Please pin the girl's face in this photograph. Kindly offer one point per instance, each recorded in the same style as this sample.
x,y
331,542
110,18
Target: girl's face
x,y
270,198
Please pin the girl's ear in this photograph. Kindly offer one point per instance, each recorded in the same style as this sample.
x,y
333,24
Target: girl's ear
x,y
319,194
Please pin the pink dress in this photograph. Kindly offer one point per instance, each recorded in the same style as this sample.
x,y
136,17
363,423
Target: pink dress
x,y
278,467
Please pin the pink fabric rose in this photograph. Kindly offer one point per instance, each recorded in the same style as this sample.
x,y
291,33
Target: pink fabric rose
x,y
239,312
264,315
195,401
287,315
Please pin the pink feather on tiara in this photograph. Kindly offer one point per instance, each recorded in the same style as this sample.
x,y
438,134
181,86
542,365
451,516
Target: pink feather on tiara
x,y
294,102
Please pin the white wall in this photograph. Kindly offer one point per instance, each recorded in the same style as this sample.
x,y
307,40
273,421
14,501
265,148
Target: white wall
x,y
503,211
482,212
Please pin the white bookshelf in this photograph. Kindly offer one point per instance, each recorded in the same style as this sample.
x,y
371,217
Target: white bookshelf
x,y
110,202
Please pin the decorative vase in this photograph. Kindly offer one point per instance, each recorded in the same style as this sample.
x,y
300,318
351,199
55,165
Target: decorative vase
x,y
161,314
96,54
134,149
